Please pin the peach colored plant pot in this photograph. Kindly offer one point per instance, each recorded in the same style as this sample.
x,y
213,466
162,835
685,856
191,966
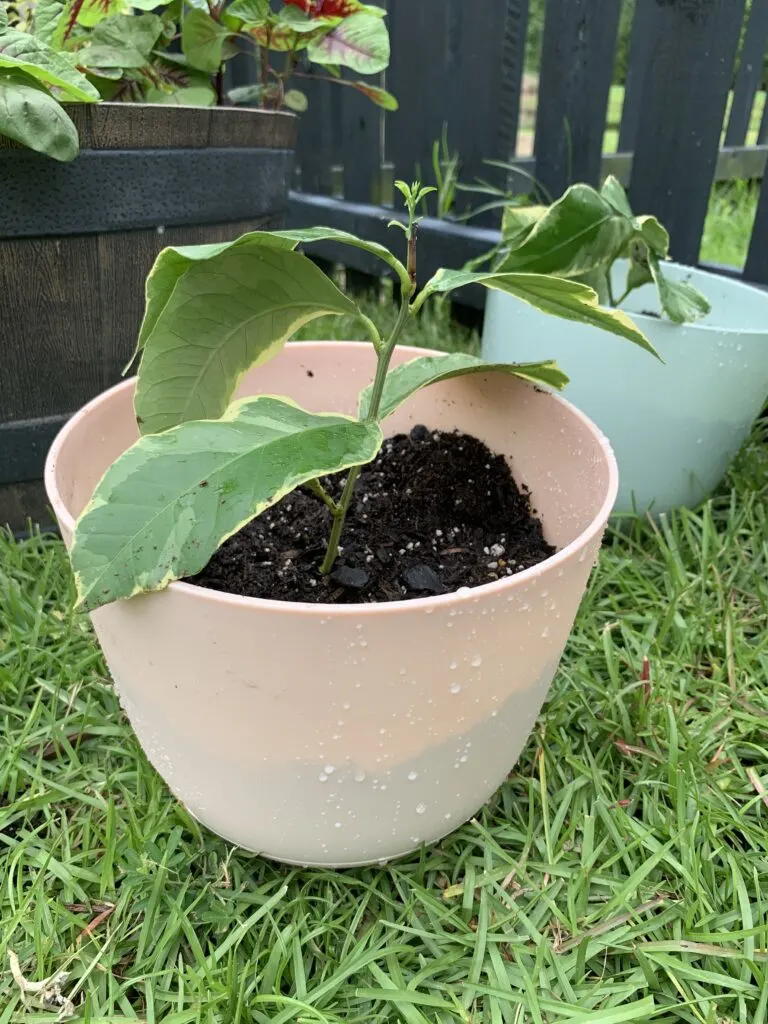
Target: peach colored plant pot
x,y
343,735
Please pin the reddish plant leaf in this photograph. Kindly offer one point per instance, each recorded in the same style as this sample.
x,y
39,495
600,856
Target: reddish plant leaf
x,y
328,8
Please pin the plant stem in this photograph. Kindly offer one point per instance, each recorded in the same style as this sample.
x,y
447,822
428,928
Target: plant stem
x,y
384,357
609,288
372,329
621,298
339,517
320,492
264,69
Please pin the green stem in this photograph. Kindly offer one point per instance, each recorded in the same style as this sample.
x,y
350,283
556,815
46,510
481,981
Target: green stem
x,y
621,298
385,357
384,353
339,517
609,288
372,329
320,492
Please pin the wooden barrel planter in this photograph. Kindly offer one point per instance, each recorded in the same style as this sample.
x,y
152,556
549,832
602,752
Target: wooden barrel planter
x,y
77,241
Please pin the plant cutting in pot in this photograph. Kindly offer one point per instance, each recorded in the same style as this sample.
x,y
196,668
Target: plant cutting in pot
x,y
322,732
675,426
54,51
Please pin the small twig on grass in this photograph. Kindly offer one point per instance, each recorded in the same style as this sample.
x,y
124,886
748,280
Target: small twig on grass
x,y
754,778
45,994
611,923
629,748
97,921
49,750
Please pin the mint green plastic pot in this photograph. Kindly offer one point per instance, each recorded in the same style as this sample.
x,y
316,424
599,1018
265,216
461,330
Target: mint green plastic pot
x,y
674,426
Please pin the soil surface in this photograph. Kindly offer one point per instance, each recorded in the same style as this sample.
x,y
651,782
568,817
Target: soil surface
x,y
434,512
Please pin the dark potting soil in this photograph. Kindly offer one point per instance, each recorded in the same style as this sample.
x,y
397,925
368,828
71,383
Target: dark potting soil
x,y
434,512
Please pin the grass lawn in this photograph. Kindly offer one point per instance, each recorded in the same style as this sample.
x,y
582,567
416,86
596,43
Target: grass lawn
x,y
619,874
728,227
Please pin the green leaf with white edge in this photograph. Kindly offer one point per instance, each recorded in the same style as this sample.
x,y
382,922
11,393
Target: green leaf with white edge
x,y
172,263
165,506
598,281
360,42
517,222
225,315
168,268
408,378
579,232
3,18
639,269
31,116
655,236
21,51
202,40
553,295
122,41
681,302
296,100
613,192
306,236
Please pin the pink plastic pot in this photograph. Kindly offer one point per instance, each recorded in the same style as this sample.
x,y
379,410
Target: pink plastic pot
x,y
326,735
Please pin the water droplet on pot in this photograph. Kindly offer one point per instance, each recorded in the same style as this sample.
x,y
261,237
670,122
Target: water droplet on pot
x,y
421,808
412,776
359,775
329,769
455,688
477,661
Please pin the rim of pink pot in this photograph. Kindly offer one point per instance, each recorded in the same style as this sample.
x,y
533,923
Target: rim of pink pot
x,y
370,608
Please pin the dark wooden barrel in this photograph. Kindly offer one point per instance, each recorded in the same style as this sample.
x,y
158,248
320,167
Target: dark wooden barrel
x,y
77,241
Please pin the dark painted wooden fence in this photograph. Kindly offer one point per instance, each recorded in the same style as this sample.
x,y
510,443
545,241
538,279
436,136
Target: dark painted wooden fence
x,y
460,64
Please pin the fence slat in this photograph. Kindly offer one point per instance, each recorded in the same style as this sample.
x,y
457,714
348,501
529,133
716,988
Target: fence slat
x,y
361,154
459,65
683,106
512,67
576,69
314,149
756,268
749,76
639,57
360,137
